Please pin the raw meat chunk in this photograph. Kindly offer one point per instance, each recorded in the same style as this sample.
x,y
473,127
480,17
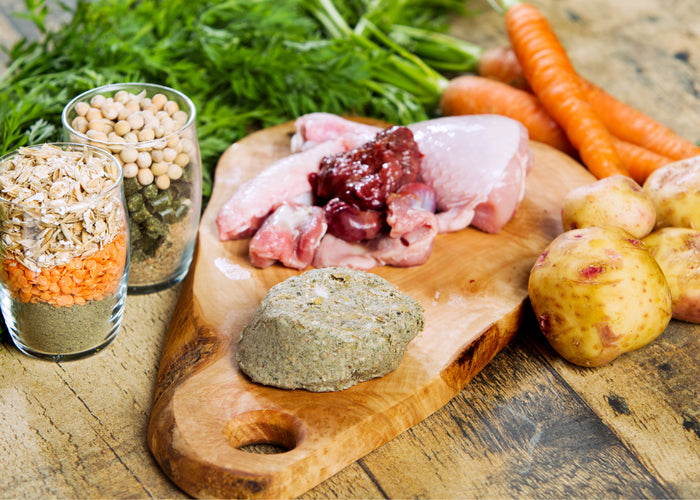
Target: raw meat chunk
x,y
315,128
477,164
290,235
366,175
284,180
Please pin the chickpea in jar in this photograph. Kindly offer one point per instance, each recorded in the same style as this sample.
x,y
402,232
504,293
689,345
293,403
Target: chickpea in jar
x,y
150,129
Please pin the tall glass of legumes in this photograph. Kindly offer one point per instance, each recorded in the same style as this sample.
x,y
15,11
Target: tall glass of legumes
x,y
64,249
151,130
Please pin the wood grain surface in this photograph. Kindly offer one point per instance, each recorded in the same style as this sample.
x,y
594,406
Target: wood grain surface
x,y
472,289
528,425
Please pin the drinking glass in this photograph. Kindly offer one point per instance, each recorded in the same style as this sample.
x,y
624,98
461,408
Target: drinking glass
x,y
64,249
151,130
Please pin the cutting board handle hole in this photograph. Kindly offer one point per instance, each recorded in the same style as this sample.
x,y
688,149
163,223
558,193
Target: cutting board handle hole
x,y
264,431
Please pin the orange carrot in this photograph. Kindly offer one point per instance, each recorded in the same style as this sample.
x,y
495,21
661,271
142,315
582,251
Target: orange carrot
x,y
555,82
631,125
640,162
621,119
467,94
501,64
476,95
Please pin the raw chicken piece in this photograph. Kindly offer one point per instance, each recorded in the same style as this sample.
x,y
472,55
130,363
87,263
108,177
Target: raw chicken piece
x,y
477,165
383,251
315,128
409,243
504,199
411,213
336,252
284,180
291,234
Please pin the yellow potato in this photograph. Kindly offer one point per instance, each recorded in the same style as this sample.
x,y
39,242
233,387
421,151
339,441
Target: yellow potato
x,y
675,191
613,201
677,250
598,293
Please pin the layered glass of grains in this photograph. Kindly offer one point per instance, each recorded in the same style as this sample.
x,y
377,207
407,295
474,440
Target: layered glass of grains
x,y
151,130
64,249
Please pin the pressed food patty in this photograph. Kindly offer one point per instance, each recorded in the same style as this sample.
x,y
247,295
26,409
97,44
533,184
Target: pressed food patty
x,y
328,329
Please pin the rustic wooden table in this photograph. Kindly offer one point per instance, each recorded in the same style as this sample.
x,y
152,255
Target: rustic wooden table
x,y
529,425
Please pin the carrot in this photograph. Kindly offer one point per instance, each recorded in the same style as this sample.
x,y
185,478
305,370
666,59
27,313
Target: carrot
x,y
501,64
81,279
477,95
467,94
640,162
631,125
555,82
622,120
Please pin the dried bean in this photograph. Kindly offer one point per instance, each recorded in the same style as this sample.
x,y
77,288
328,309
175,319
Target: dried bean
x,y
163,181
161,169
130,170
145,176
144,160
129,155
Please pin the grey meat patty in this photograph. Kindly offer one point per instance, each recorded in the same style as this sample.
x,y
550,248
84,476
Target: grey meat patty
x,y
328,329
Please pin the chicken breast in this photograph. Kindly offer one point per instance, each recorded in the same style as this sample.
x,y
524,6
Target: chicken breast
x,y
477,166
286,180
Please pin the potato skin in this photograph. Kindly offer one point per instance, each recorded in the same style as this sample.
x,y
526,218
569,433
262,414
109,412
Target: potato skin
x,y
675,191
677,250
598,293
612,201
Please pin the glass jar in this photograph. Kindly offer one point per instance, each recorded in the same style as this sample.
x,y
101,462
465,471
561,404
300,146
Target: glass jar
x,y
64,249
151,130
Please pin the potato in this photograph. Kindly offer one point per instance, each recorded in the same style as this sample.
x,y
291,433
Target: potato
x,y
613,201
677,250
675,191
598,293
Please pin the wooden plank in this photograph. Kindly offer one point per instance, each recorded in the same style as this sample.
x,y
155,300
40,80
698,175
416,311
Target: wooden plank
x,y
649,399
77,429
516,431
643,52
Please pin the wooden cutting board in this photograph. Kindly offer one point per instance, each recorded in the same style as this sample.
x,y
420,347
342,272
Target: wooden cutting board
x,y
473,289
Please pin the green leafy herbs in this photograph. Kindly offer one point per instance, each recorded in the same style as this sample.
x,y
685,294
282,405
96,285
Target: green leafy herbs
x,y
246,64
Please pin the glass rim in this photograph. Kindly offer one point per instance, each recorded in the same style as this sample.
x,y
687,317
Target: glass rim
x,y
125,86
64,147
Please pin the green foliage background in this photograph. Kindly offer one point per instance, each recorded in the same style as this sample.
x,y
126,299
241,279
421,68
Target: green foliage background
x,y
246,64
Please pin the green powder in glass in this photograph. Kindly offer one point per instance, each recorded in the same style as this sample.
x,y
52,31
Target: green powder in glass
x,y
53,329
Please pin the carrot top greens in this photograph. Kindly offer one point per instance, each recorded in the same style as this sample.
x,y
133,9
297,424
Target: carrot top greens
x,y
246,64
